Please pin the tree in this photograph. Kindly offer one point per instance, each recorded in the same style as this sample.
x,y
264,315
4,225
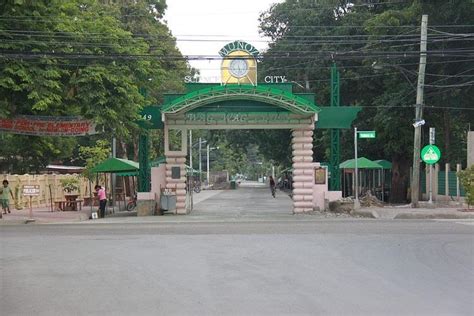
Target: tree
x,y
84,58
308,36
93,155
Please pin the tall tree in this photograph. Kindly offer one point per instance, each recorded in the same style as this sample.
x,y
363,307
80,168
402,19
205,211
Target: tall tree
x,y
375,45
87,58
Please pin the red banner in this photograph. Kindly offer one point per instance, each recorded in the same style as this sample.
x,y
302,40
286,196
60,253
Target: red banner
x,y
48,126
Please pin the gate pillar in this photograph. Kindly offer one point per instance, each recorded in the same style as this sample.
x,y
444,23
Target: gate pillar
x,y
302,143
176,170
177,185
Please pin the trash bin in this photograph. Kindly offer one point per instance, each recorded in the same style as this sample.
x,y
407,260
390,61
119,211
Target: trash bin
x,y
233,185
168,202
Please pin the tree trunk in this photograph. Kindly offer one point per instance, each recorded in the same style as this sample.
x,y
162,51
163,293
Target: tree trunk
x,y
135,148
400,180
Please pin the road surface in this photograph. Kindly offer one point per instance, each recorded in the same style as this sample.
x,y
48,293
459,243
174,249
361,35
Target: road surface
x,y
284,267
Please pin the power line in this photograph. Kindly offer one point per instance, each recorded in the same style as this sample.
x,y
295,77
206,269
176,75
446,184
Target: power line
x,y
284,56
469,83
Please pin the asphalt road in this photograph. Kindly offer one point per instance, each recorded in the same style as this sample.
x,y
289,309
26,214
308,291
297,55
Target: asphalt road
x,y
248,199
294,267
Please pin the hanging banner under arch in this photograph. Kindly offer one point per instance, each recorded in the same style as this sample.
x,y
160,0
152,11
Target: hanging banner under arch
x,y
48,125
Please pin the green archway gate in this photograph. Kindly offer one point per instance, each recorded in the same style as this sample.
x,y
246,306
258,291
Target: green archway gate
x,y
234,106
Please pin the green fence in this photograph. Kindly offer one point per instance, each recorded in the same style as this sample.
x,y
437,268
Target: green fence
x,y
442,183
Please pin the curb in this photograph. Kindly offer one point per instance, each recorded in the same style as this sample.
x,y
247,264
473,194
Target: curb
x,y
365,213
433,216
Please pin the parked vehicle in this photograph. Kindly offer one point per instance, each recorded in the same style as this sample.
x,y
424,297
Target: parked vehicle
x,y
132,203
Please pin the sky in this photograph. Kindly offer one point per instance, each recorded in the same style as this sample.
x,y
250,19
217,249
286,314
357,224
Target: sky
x,y
221,21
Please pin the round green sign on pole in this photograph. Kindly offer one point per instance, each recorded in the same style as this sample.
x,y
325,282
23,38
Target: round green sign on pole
x,y
430,154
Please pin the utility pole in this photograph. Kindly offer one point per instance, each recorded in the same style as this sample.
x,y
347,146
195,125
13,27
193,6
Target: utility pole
x,y
415,181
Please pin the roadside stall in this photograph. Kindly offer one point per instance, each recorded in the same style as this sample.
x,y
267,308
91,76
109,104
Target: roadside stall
x,y
368,172
127,170
384,184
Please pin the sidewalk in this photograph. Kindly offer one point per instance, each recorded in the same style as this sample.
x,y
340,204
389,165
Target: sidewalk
x,y
406,212
43,215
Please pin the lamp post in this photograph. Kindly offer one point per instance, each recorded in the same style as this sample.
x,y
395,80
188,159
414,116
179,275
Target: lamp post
x,y
207,178
208,151
200,160
200,142
191,150
356,173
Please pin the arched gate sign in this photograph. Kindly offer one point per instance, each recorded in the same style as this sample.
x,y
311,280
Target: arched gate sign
x,y
238,102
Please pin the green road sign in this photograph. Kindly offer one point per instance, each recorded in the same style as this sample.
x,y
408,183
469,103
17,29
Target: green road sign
x,y
151,118
366,134
430,154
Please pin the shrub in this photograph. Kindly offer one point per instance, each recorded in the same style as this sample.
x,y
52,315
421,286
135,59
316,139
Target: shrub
x,y
70,184
467,180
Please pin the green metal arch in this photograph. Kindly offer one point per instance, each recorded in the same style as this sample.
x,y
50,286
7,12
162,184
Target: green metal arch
x,y
280,98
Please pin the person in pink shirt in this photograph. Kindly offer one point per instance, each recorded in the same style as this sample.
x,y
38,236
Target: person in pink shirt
x,y
102,200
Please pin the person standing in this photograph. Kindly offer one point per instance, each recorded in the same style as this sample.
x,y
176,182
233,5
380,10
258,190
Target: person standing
x,y
102,200
272,186
6,192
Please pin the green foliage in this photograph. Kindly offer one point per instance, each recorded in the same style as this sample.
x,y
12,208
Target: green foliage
x,y
467,180
94,155
81,57
309,36
70,184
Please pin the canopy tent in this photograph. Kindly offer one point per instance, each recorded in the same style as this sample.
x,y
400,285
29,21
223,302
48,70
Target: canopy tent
x,y
384,179
384,163
117,165
371,176
362,163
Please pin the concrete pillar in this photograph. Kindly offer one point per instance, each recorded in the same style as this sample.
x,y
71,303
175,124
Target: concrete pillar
x,y
178,186
458,188
177,158
302,144
470,148
435,182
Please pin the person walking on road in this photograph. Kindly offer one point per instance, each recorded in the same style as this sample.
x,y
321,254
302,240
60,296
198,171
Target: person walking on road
x,y
272,186
5,193
102,200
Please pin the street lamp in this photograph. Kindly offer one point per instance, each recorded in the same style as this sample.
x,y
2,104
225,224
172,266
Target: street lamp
x,y
377,67
200,142
208,150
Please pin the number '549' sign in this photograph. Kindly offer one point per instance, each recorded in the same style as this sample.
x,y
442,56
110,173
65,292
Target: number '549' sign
x,y
150,118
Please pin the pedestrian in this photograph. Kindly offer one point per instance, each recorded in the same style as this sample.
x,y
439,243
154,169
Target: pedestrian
x,y
102,200
5,193
272,186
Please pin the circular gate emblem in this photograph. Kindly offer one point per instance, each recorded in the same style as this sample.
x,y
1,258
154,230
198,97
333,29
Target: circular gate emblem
x,y
430,154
